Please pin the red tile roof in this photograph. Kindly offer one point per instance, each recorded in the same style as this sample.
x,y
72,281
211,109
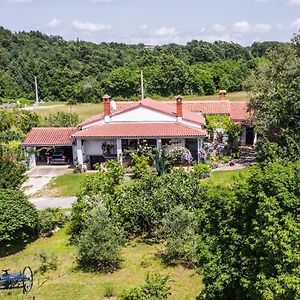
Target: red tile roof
x,y
164,107
144,130
239,111
49,136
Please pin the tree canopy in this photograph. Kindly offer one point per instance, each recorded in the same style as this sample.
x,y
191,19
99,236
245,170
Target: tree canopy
x,y
84,71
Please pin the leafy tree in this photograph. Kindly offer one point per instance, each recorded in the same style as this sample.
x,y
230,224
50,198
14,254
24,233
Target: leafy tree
x,y
156,287
99,246
12,174
61,119
18,219
275,102
178,229
250,243
140,165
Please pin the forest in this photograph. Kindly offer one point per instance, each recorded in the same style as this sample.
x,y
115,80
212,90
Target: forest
x,y
83,71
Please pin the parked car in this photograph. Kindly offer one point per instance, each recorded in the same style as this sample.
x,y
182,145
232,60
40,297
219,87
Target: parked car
x,y
58,157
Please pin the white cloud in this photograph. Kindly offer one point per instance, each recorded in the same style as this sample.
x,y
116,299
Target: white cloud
x,y
294,2
242,27
54,23
21,1
92,27
166,32
296,23
218,28
262,28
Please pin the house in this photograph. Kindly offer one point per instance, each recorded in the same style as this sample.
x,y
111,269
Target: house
x,y
107,135
123,125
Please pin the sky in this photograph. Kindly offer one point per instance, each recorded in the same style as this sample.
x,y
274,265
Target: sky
x,y
155,22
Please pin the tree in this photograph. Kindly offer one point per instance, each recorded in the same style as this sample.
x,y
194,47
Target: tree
x,y
156,287
99,247
18,219
12,173
178,229
250,243
61,119
275,102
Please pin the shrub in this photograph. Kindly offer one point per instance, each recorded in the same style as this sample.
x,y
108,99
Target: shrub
x,y
201,171
180,155
12,174
49,219
251,238
156,288
61,119
162,163
114,170
99,246
178,230
18,219
140,165
48,261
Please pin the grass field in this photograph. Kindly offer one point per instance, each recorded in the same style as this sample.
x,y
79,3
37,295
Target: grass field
x,y
67,282
69,184
86,110
227,177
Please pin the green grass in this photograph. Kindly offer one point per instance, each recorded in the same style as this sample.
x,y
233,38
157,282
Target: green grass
x,y
227,177
67,282
84,110
63,186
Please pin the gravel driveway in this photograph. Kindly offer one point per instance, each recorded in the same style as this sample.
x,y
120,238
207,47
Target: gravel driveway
x,y
40,176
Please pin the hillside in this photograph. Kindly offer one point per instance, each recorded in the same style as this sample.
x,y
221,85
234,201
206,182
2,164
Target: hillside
x,y
84,71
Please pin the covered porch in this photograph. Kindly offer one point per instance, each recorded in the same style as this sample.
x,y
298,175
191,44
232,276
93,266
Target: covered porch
x,y
93,151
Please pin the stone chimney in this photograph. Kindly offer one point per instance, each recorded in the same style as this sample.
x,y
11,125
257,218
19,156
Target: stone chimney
x,y
179,114
106,108
222,95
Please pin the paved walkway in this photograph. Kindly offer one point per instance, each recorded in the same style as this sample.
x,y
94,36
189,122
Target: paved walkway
x,y
60,202
230,168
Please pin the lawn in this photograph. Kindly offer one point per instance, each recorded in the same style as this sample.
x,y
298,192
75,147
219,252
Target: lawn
x,y
68,282
84,110
227,177
63,186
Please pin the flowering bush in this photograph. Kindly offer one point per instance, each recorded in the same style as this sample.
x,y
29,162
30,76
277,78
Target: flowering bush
x,y
180,155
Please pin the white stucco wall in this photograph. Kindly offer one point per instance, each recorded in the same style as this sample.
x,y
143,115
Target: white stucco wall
x,y
93,147
142,114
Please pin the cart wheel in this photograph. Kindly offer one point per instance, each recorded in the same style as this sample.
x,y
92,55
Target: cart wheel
x,y
28,280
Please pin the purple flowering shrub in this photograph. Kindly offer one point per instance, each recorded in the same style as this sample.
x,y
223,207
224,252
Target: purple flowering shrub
x,y
180,155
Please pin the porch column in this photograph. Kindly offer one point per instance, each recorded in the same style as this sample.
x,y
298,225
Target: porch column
x,y
79,152
30,153
119,151
255,139
199,146
158,143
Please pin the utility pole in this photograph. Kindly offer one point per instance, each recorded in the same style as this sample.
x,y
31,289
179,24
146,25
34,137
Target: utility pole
x,y
142,85
36,92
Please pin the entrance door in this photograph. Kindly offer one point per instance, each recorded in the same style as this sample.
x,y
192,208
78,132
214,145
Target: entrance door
x,y
249,136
